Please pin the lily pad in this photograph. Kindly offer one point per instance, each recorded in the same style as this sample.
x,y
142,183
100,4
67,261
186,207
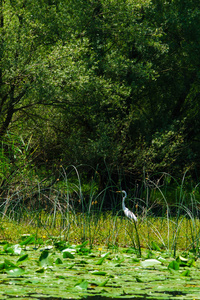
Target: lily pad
x,y
67,254
150,263
116,275
83,285
45,259
28,240
173,265
15,272
22,258
103,257
100,273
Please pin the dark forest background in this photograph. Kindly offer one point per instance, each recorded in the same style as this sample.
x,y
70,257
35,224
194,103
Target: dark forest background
x,y
112,86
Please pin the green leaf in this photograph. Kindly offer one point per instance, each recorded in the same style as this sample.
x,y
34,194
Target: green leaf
x,y
9,264
82,249
15,272
101,260
174,265
22,258
135,260
150,263
100,273
8,249
71,266
44,255
103,283
45,260
61,245
83,285
138,279
118,264
16,249
41,270
67,254
82,262
182,261
12,249
29,240
185,273
58,261
154,246
82,245
191,263
2,266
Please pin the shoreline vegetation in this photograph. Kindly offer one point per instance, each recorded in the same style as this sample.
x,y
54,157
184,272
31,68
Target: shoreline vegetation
x,y
108,231
68,206
77,212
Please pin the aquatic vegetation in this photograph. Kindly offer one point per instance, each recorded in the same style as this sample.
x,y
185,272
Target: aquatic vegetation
x,y
74,253
35,271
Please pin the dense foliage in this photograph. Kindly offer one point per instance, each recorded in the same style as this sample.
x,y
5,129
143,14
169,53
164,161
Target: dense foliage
x,y
107,83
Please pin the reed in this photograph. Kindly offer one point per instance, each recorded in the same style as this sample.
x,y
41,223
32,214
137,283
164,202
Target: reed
x,y
67,206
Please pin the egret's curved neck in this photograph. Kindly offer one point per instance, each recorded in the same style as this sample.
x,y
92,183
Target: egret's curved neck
x,y
123,204
123,201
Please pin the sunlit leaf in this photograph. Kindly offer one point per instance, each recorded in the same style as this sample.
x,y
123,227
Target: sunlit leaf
x,y
8,248
150,263
15,272
161,259
181,258
100,273
45,259
191,263
186,273
70,250
83,285
101,260
182,261
29,240
17,249
103,283
9,264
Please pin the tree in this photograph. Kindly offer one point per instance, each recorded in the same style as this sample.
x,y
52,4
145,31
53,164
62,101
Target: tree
x,y
103,80
31,33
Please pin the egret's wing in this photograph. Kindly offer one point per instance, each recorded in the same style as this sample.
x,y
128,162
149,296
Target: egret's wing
x,y
130,214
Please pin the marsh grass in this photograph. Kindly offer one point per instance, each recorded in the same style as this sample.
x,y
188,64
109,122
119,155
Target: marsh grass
x,y
111,232
72,208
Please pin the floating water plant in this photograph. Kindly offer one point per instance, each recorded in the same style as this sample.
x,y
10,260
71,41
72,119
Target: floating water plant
x,y
48,273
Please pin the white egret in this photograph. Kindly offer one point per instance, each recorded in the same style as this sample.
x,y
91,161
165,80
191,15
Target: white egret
x,y
129,214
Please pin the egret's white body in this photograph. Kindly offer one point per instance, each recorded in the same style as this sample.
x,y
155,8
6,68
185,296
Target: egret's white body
x,y
129,214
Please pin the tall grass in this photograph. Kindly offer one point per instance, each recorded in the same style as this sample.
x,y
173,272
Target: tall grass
x,y
67,203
